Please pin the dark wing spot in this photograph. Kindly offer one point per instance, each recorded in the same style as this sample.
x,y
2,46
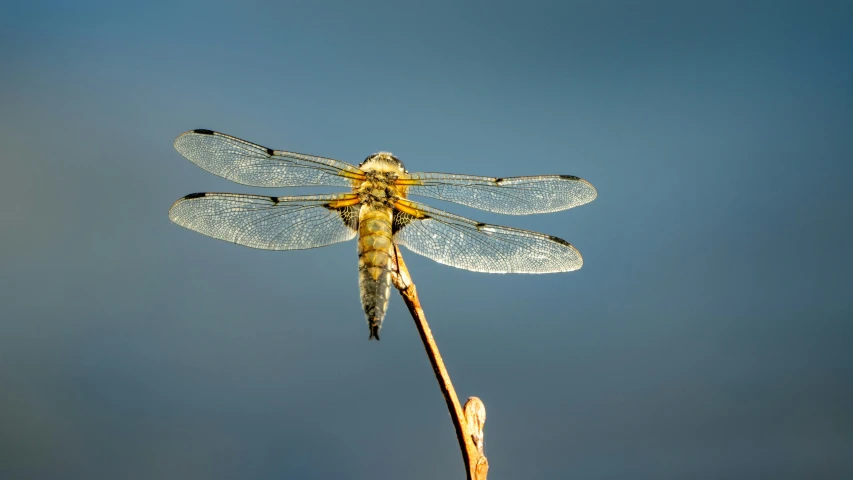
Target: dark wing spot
x,y
559,240
570,177
203,131
349,215
499,180
270,152
195,195
401,219
274,200
481,225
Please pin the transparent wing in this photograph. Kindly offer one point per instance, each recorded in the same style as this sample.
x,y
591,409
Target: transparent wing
x,y
464,243
270,223
250,164
511,196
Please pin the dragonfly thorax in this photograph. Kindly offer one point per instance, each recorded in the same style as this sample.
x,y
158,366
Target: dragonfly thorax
x,y
378,188
381,170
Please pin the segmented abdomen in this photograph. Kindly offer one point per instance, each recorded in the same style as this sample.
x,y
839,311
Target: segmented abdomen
x,y
374,263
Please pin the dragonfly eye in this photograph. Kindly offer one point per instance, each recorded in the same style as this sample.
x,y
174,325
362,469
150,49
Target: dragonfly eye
x,y
398,162
383,159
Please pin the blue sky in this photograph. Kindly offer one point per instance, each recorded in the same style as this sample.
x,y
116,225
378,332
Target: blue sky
x,y
708,334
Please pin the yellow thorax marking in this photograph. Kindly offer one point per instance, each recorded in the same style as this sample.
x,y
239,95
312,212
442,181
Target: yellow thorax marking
x,y
407,208
345,201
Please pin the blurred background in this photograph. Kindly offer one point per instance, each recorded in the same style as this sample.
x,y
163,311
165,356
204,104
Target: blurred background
x,y
708,334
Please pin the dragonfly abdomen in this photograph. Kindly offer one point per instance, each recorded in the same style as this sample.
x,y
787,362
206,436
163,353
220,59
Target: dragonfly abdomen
x,y
374,263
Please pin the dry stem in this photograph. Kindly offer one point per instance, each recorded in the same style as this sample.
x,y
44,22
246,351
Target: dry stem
x,y
468,423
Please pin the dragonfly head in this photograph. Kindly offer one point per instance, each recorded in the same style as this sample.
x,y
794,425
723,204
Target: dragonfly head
x,y
383,162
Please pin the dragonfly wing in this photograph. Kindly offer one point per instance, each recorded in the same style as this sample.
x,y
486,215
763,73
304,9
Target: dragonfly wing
x,y
511,196
250,164
464,243
270,223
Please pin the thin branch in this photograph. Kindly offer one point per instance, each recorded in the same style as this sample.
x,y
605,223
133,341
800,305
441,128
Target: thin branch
x,y
468,423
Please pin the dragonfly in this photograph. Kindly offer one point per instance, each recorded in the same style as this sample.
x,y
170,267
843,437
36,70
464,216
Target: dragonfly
x,y
376,208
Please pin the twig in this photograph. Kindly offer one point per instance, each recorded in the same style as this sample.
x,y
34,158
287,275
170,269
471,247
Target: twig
x,y
468,424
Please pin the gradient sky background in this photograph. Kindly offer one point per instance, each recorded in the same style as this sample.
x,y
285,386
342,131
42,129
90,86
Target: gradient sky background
x,y
709,334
